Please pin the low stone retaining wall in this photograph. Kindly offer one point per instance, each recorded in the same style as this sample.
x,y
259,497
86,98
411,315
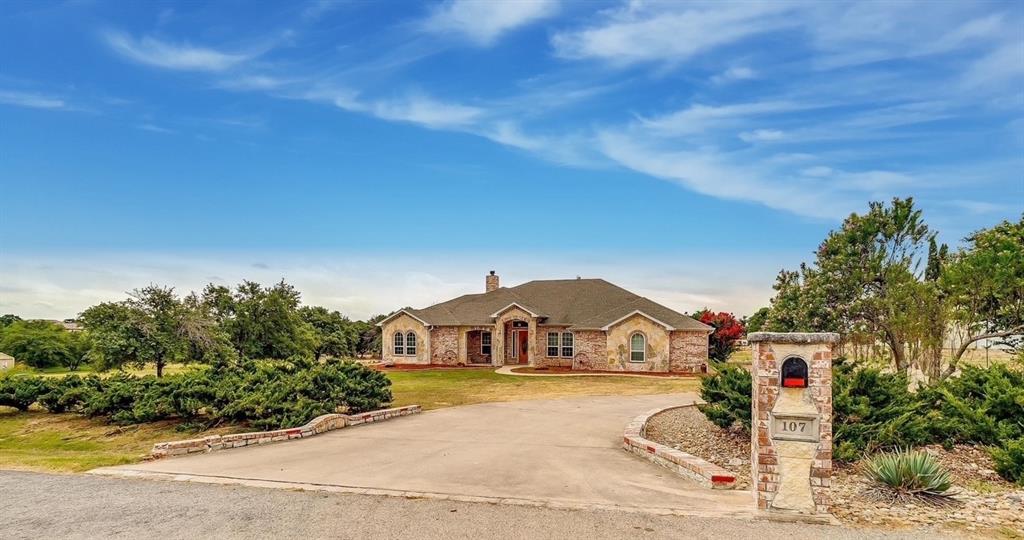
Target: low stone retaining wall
x,y
316,426
704,473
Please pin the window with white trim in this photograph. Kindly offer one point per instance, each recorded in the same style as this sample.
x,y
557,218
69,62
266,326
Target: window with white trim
x,y
553,344
410,344
567,345
485,343
399,342
637,347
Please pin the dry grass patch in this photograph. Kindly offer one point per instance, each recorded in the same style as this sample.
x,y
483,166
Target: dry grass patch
x,y
71,443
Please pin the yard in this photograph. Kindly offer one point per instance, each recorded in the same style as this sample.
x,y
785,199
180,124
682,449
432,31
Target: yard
x,y
71,443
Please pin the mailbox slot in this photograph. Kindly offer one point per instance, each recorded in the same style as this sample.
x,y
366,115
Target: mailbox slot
x,y
794,373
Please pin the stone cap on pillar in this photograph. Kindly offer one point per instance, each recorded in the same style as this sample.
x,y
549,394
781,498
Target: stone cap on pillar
x,y
794,337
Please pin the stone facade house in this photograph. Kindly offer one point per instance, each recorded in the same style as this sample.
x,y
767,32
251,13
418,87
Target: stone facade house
x,y
6,361
582,324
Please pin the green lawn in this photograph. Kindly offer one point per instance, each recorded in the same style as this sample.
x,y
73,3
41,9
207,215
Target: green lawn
x,y
437,388
71,443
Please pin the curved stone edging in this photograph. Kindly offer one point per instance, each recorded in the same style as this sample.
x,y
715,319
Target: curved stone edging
x,y
316,426
704,473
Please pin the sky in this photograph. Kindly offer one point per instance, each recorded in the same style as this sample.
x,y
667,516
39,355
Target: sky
x,y
388,154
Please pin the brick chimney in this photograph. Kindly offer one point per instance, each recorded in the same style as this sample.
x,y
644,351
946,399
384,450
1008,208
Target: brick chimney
x,y
492,281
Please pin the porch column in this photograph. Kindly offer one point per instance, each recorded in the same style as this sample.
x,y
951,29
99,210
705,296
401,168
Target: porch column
x,y
531,345
498,344
463,345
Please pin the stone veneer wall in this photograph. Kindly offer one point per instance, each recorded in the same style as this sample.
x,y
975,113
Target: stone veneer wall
x,y
591,349
444,346
688,351
768,474
617,357
405,324
473,354
499,339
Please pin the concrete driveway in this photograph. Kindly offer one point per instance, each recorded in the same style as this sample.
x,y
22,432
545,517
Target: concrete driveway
x,y
563,452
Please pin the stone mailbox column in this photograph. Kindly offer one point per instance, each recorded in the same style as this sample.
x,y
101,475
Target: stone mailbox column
x,y
791,423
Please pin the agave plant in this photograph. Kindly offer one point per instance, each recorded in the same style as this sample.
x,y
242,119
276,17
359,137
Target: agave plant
x,y
908,473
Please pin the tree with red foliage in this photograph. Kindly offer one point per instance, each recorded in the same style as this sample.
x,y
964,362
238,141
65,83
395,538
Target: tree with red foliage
x,y
728,330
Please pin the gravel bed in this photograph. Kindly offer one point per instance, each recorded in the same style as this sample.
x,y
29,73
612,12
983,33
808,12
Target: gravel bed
x,y
687,430
984,505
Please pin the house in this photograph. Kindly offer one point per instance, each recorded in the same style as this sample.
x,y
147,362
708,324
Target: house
x,y
583,324
6,361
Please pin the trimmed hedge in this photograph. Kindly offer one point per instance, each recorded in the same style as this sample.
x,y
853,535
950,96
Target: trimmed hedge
x,y
728,397
266,395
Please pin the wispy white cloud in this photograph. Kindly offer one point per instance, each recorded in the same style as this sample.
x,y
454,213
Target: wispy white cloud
x,y
761,135
414,107
670,32
426,111
179,56
253,82
735,73
698,118
483,22
714,174
819,171
31,100
1002,66
694,137
978,207
155,128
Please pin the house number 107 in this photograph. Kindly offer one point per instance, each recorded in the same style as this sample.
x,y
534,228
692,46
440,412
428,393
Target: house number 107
x,y
792,426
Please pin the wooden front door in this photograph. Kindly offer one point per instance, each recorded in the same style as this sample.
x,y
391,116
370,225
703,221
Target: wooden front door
x,y
523,345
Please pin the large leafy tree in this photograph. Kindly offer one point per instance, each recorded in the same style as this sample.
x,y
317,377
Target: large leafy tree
x,y
333,333
728,330
41,344
757,321
369,336
864,277
152,325
8,319
984,287
261,322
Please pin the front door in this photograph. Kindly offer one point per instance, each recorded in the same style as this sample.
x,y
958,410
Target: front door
x,y
523,345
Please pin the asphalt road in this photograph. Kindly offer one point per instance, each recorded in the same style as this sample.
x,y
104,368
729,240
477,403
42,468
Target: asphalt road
x,y
38,505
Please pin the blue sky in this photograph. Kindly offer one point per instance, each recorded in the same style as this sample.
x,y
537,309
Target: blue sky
x,y
384,154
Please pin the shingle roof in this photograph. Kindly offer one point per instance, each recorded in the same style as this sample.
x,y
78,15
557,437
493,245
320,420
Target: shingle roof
x,y
577,303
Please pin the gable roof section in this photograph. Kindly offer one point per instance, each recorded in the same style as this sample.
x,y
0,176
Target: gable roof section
x,y
531,311
404,311
576,303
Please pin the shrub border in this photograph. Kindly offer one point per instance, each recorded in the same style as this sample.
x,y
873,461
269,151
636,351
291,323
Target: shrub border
x,y
316,426
692,467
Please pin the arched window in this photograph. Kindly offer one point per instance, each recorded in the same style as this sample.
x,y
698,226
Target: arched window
x,y
637,348
410,344
399,344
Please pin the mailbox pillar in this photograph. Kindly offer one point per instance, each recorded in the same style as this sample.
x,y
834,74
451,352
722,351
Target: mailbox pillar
x,y
791,422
